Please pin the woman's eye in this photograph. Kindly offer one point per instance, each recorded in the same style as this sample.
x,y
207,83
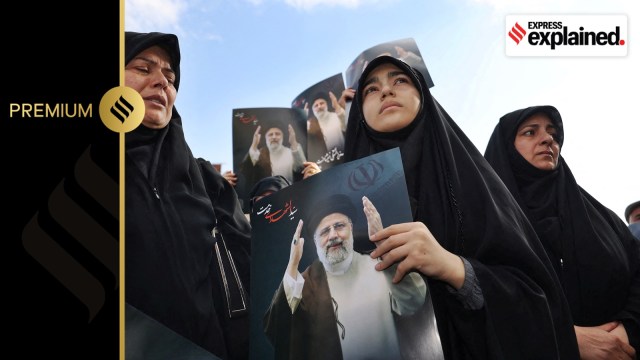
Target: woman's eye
x,y
369,90
400,81
528,133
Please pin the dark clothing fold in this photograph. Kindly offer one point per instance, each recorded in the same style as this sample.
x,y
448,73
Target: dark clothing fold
x,y
457,195
592,250
258,171
316,146
313,327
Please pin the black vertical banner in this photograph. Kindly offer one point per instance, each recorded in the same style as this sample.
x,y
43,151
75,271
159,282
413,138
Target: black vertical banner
x,y
60,169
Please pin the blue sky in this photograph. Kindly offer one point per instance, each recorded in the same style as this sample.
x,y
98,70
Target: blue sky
x,y
263,53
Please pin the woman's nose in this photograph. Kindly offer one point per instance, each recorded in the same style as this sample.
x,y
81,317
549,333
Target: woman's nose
x,y
386,90
160,80
547,138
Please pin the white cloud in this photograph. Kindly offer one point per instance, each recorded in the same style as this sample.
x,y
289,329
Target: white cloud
x,y
152,15
310,4
556,6
502,4
212,37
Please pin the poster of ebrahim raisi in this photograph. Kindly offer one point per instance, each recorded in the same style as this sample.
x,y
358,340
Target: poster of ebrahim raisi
x,y
315,290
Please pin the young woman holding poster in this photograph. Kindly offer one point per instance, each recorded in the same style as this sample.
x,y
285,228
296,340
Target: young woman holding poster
x,y
494,292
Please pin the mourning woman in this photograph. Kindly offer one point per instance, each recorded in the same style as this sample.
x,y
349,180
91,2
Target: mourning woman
x,y
179,210
591,249
494,292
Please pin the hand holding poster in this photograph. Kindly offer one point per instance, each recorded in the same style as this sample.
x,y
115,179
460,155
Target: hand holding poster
x,y
316,291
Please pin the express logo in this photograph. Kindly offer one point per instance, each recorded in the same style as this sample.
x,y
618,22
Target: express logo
x,y
566,35
517,33
365,175
581,37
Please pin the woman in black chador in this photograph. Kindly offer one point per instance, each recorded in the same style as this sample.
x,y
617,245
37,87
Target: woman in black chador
x,y
180,215
494,292
592,250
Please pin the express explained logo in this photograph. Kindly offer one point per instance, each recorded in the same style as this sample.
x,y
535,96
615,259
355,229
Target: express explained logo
x,y
566,35
517,33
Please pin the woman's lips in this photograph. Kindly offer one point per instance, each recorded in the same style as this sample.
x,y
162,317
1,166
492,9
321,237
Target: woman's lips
x,y
388,105
156,99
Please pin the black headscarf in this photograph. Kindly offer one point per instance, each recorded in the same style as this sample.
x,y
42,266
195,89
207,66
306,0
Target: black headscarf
x,y
591,248
469,211
143,144
269,184
173,204
135,43
629,209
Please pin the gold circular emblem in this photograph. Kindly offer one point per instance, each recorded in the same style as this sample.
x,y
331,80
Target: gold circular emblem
x,y
122,109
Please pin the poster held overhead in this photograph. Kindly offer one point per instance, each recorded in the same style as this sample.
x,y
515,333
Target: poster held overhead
x,y
326,120
403,49
267,142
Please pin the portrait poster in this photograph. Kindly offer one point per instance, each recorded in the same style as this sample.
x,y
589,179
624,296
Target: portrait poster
x,y
326,121
275,220
256,123
403,49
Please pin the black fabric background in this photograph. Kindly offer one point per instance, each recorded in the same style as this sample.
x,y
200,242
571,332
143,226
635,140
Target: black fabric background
x,y
59,52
